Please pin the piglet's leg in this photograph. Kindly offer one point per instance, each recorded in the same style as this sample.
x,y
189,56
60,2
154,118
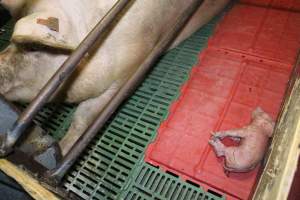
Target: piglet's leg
x,y
235,134
218,147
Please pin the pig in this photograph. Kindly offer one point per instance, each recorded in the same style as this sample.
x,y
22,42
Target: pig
x,y
48,30
253,139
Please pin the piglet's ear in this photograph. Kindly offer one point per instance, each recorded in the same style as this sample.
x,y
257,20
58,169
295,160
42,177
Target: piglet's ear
x,y
45,28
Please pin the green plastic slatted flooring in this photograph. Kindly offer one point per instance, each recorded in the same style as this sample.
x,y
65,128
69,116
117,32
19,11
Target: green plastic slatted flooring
x,y
112,167
150,183
54,118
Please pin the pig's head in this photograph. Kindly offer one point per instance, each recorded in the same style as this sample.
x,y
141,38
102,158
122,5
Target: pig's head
x,y
263,121
41,24
26,67
45,25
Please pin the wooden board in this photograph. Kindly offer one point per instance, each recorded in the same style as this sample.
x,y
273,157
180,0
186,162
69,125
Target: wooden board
x,y
30,184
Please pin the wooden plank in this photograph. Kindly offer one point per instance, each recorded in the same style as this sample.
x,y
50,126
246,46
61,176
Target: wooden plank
x,y
31,185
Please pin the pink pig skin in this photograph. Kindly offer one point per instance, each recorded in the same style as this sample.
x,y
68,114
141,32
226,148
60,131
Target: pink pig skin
x,y
254,140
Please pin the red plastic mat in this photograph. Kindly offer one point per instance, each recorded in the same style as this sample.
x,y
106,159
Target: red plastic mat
x,y
221,94
235,75
293,5
261,32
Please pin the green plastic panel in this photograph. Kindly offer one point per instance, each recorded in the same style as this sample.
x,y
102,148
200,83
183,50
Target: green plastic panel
x,y
112,167
151,183
54,118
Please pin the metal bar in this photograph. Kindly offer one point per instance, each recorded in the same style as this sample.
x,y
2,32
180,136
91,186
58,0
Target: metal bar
x,y
55,176
58,78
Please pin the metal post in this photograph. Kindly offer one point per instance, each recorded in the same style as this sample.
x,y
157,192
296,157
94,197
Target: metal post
x,y
54,176
9,139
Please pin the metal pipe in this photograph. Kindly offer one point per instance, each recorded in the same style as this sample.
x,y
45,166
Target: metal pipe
x,y
55,176
58,78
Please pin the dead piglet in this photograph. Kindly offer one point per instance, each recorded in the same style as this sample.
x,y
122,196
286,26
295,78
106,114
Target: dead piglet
x,y
253,143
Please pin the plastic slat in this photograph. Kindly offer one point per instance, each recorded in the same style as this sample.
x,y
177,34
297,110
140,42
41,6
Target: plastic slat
x,y
152,183
54,118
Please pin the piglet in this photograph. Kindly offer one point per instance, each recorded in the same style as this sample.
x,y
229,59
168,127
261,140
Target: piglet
x,y
253,139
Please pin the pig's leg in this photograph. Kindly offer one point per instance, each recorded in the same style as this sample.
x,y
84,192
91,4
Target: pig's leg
x,y
218,147
85,114
235,134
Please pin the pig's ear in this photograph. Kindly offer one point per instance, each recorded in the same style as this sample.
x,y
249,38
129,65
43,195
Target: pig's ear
x,y
45,28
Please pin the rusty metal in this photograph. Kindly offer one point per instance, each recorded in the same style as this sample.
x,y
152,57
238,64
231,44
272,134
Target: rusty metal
x,y
11,137
55,176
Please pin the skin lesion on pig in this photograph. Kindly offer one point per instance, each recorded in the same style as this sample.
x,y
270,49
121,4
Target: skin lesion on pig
x,y
253,138
52,23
